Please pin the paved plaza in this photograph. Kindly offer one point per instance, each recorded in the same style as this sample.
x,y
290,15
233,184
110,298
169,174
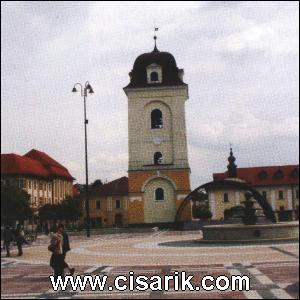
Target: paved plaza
x,y
272,268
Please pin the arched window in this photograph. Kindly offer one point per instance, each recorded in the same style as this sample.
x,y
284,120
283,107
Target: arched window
x,y
156,119
159,194
154,76
157,158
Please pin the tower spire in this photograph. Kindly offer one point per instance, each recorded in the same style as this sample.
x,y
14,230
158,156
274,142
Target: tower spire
x,y
232,167
155,38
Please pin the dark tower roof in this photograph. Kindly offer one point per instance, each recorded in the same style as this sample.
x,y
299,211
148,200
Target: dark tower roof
x,y
232,172
170,72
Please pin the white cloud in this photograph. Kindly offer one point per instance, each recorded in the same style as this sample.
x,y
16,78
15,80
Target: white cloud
x,y
278,35
240,59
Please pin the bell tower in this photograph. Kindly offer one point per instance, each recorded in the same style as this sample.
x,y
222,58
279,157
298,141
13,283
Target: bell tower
x,y
158,171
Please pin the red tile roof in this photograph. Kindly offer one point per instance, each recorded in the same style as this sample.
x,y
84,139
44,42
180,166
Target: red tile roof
x,y
266,176
54,167
115,187
14,164
44,158
34,163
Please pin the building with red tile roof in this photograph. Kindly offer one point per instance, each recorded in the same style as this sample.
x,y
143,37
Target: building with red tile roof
x,y
278,184
41,176
117,187
266,176
109,203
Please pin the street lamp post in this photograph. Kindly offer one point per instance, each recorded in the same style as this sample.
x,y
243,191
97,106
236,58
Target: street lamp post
x,y
84,90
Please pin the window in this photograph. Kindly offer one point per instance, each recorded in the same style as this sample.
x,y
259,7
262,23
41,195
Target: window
x,y
154,76
280,195
29,184
263,175
159,194
98,205
156,119
118,203
157,158
297,194
264,194
21,183
225,197
295,173
278,174
154,73
35,185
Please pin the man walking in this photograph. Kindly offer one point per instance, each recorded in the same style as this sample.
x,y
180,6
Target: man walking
x,y
7,239
65,247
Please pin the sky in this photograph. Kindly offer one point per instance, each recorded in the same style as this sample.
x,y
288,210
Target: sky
x,y
241,62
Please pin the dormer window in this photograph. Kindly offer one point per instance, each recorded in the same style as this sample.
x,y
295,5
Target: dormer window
x,y
278,174
263,175
154,73
295,173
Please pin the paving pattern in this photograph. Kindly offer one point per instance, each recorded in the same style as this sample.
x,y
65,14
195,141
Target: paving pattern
x,y
273,268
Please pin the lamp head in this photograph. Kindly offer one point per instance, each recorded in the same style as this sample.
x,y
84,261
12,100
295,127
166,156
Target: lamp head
x,y
74,90
89,88
91,91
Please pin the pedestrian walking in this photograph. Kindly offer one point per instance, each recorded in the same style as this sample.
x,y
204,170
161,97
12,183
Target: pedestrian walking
x,y
65,248
20,239
7,239
57,258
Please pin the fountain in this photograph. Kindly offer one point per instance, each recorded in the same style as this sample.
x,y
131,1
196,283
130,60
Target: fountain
x,y
248,230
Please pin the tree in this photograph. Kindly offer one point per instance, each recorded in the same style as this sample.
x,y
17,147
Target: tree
x,y
49,212
71,208
97,183
15,204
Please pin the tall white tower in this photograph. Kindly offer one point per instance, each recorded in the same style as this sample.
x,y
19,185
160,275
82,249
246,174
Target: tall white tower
x,y
158,168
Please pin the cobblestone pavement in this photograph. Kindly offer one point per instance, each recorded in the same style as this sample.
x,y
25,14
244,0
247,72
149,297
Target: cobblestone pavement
x,y
272,268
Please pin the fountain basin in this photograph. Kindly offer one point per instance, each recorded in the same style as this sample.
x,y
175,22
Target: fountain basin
x,y
240,232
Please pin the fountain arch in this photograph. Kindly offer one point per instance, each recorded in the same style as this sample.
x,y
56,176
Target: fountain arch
x,y
229,183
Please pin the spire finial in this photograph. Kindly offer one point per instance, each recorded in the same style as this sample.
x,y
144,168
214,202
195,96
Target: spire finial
x,y
232,168
155,38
